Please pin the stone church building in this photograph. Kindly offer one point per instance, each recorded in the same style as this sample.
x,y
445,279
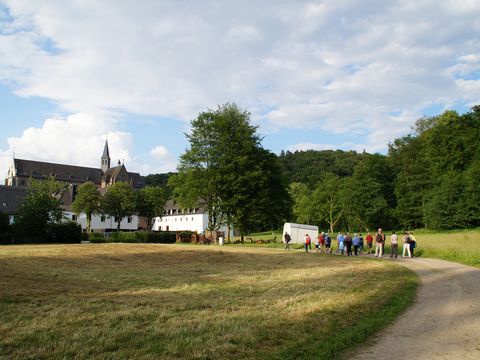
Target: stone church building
x,y
21,171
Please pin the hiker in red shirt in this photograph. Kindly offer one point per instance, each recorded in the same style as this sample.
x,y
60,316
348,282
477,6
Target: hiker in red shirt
x,y
369,240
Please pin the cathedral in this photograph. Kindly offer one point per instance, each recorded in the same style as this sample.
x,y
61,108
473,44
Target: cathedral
x,y
21,171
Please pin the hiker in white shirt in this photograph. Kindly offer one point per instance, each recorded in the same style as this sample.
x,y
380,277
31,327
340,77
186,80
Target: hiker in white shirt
x,y
406,245
394,245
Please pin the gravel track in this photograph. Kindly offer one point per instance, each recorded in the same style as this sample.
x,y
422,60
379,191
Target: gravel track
x,y
444,321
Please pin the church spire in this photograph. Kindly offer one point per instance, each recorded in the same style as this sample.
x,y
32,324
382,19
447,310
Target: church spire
x,y
105,158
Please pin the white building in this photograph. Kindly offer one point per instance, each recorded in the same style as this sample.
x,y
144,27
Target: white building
x,y
103,222
177,218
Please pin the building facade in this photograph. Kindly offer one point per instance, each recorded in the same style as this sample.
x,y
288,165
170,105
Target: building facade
x,y
21,171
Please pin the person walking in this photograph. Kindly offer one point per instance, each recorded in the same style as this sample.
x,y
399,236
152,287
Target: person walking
x,y
356,244
369,240
379,242
394,245
306,242
317,243
406,245
341,244
286,240
328,244
322,243
360,237
348,244
413,244
340,239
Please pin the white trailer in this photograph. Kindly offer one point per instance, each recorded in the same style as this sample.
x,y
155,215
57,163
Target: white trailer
x,y
298,231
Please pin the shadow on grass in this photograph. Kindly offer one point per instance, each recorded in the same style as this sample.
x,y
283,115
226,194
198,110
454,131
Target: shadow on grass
x,y
195,302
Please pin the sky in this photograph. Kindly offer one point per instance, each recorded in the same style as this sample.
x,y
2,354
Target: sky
x,y
344,74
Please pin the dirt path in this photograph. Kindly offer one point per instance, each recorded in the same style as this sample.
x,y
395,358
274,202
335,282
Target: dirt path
x,y
444,322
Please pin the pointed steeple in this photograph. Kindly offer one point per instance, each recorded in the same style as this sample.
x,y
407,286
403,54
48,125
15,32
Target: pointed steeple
x,y
105,158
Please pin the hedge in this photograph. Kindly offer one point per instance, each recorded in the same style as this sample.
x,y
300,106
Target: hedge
x,y
64,233
163,237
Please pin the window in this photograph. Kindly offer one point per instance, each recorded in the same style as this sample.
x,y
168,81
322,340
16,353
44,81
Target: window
x,y
74,192
129,219
159,228
74,217
102,218
115,219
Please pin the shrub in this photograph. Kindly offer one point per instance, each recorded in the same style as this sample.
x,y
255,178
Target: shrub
x,y
69,232
96,238
162,237
6,238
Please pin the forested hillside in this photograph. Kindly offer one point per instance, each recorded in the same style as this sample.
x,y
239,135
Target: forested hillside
x,y
429,178
309,166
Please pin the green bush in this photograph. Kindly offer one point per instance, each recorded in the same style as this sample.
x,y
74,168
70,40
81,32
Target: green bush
x,y
5,238
65,233
96,238
162,237
69,232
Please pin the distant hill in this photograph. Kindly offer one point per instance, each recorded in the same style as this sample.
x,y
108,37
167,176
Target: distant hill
x,y
308,166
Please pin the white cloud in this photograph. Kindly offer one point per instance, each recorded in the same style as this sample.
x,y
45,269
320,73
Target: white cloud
x,y
163,161
76,140
343,67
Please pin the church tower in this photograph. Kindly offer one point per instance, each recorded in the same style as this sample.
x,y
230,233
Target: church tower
x,y
105,158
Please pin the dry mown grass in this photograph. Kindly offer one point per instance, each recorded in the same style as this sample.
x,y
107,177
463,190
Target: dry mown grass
x,y
167,301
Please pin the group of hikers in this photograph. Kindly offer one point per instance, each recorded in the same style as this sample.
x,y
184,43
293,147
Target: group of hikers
x,y
345,243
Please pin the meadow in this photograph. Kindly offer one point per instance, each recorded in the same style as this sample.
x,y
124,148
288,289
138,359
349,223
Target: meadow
x,y
461,246
111,301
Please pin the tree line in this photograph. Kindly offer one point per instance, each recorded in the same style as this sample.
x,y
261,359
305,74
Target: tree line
x,y
429,178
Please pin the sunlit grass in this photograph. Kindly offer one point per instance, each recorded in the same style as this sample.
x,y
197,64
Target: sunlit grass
x,y
460,245
169,302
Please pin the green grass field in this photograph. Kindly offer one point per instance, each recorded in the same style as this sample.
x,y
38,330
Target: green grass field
x,y
113,301
462,246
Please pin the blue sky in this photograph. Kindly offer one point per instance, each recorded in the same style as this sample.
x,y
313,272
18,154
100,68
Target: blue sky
x,y
314,74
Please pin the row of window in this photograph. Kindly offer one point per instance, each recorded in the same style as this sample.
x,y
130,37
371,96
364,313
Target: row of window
x,y
180,211
103,218
175,219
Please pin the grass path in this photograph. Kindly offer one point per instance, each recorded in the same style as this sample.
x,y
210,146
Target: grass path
x,y
191,302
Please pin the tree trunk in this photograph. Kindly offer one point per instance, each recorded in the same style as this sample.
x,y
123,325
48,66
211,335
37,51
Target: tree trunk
x,y
228,233
89,223
118,224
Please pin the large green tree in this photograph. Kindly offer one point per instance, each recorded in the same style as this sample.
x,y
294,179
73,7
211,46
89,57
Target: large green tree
x,y
40,208
327,203
302,203
119,201
363,199
150,203
228,172
87,201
